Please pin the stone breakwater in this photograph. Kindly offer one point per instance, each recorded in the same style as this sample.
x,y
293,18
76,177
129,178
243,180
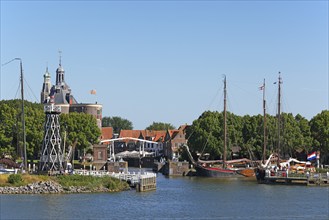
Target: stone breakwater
x,y
48,187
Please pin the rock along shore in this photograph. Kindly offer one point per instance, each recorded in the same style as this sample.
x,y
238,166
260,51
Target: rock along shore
x,y
48,187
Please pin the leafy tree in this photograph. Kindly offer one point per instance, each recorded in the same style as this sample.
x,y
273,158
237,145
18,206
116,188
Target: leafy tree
x,y
82,130
292,137
117,123
305,129
7,129
204,132
320,132
253,134
11,141
207,132
160,126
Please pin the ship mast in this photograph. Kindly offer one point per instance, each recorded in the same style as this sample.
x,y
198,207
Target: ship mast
x,y
264,109
23,112
279,116
225,129
23,115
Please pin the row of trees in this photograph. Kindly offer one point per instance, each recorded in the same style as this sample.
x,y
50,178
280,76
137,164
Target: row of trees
x,y
118,124
297,134
204,135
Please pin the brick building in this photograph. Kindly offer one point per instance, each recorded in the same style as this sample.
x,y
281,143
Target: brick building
x,y
61,95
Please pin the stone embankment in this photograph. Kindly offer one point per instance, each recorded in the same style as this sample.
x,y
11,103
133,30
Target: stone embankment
x,y
48,187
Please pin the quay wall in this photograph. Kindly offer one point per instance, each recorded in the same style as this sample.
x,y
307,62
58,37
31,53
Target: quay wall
x,y
176,168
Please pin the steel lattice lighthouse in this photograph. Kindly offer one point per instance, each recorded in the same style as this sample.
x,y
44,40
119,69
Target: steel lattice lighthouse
x,y
52,156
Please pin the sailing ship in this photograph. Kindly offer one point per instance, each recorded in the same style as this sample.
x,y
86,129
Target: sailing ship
x,y
274,159
223,168
274,167
260,170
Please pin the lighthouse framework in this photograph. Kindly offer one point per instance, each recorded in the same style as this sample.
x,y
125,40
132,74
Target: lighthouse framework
x,y
52,156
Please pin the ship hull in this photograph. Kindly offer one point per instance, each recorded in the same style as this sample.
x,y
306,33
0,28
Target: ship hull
x,y
216,172
260,175
248,172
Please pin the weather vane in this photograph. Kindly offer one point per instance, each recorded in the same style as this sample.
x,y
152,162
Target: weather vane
x,y
60,57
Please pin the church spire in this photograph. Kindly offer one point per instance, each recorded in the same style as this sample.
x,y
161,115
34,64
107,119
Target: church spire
x,y
60,72
60,57
46,86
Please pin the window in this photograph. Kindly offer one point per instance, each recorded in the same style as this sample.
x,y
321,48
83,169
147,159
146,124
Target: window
x,y
100,155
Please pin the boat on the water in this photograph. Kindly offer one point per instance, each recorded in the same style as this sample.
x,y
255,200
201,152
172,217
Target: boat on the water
x,y
223,168
275,168
234,168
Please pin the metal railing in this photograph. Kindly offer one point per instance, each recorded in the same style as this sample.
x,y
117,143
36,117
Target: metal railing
x,y
132,177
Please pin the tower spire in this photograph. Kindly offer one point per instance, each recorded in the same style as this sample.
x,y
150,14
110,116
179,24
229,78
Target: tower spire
x,y
60,57
60,72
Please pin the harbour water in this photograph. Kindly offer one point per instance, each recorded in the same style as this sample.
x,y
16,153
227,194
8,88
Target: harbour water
x,y
178,198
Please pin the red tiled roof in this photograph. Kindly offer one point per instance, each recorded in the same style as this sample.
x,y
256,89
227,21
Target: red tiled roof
x,y
130,133
183,127
107,133
173,133
159,136
154,135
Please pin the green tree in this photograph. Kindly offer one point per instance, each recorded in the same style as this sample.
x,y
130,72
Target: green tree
x,y
160,126
253,135
207,132
11,141
305,129
117,123
320,132
292,137
7,129
82,130
34,124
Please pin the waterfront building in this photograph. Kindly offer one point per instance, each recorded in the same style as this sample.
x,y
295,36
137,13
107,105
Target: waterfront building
x,y
174,139
61,95
107,133
131,145
168,142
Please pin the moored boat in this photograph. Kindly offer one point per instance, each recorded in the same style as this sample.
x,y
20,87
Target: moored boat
x,y
223,168
275,169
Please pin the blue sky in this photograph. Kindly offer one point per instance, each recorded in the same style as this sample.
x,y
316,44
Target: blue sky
x,y
164,60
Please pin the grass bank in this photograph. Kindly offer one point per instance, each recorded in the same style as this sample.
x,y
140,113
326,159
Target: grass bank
x,y
89,182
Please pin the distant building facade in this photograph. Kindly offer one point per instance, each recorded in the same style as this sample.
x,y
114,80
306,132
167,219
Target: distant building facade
x,y
167,144
60,94
173,141
155,136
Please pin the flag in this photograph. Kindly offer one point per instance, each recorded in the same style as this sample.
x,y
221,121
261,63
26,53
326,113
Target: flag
x,y
93,92
262,87
311,156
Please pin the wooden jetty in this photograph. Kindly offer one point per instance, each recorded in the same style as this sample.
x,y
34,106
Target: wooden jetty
x,y
142,181
309,179
318,179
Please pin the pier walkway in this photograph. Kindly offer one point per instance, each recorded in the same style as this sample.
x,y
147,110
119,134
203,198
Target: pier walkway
x,y
143,181
312,179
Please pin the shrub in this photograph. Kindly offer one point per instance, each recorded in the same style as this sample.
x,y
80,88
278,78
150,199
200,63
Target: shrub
x,y
15,178
111,185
